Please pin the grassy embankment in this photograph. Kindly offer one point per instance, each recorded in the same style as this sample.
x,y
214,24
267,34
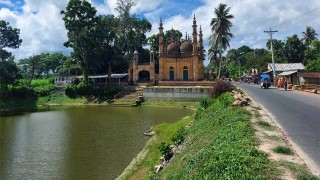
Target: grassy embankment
x,y
219,145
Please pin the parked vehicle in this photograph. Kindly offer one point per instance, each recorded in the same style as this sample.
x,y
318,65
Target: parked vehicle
x,y
265,81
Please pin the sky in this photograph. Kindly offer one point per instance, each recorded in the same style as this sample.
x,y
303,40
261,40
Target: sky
x,y
42,28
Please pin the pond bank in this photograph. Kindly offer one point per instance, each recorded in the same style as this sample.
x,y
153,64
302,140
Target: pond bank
x,y
220,144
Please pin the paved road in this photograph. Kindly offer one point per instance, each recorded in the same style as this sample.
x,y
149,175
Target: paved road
x,y
299,115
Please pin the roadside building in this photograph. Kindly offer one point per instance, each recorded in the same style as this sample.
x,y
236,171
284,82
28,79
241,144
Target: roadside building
x,y
287,70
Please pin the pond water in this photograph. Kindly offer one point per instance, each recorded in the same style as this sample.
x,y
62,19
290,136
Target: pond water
x,y
89,142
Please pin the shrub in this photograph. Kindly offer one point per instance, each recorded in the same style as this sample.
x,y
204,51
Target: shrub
x,y
165,150
206,102
87,90
20,92
71,91
220,87
178,137
225,99
283,150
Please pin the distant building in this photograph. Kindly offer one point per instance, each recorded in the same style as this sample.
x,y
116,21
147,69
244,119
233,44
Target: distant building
x,y
177,62
288,70
117,79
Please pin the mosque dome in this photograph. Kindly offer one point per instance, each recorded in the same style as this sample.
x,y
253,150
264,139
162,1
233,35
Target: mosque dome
x,y
186,47
173,48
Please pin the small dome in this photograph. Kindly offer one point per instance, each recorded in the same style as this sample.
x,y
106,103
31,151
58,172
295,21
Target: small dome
x,y
135,52
173,48
186,47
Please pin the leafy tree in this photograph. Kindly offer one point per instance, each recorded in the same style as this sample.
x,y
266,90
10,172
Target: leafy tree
x,y
312,55
278,50
33,67
308,36
9,73
84,34
154,42
294,50
9,38
313,65
131,31
172,33
220,26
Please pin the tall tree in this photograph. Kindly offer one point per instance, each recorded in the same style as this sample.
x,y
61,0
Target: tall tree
x,y
9,73
294,50
308,36
9,38
278,49
220,26
213,59
84,34
33,67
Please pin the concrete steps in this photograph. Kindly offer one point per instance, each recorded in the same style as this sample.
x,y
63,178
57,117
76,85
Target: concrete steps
x,y
130,96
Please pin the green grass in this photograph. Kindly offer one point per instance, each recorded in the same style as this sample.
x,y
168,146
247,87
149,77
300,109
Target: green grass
x,y
256,114
266,125
299,171
58,98
283,150
185,104
274,138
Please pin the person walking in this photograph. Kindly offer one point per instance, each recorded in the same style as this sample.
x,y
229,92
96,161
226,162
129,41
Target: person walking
x,y
285,84
278,83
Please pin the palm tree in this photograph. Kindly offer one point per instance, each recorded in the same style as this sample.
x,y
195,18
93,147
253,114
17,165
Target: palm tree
x,y
309,36
220,26
212,54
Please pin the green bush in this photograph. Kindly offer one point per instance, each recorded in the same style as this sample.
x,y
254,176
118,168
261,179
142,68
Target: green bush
x,y
71,91
178,137
165,150
87,90
20,92
283,150
206,102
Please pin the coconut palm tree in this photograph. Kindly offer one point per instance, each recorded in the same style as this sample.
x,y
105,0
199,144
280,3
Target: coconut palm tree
x,y
309,36
220,26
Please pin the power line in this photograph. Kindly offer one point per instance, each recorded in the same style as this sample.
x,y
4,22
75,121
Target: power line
x,y
311,11
297,17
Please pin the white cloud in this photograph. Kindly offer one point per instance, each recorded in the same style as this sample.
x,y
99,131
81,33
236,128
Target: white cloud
x,y
41,27
6,2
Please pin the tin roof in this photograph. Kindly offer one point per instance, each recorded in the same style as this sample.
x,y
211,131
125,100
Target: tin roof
x,y
286,73
286,66
114,76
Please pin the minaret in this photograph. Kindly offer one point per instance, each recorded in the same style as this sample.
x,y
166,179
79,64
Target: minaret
x,y
161,36
194,34
200,39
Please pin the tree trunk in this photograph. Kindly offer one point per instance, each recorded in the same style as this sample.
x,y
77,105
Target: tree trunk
x,y
32,75
220,62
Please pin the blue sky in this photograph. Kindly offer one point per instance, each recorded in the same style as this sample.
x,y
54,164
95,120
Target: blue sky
x,y
42,28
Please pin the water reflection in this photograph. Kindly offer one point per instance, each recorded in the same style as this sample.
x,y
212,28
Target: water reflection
x,y
93,142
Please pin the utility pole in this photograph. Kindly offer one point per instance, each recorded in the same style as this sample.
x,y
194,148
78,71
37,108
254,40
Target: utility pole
x,y
270,32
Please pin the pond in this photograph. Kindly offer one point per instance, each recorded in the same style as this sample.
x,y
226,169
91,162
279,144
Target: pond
x,y
85,142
